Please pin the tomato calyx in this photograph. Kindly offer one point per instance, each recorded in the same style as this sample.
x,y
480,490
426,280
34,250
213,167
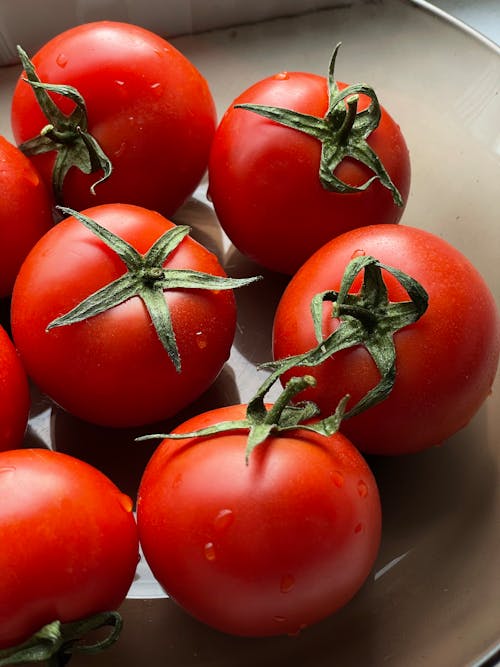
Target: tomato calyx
x,y
262,421
147,278
56,642
342,131
65,134
366,318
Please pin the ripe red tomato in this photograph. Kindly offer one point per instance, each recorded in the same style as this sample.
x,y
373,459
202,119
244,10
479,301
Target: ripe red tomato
x,y
111,368
62,557
264,182
14,395
446,362
265,548
25,212
148,107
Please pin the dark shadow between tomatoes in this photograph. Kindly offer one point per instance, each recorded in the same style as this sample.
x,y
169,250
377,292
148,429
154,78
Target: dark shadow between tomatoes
x,y
114,451
256,306
5,314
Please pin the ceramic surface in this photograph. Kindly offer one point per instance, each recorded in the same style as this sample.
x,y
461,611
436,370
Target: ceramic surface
x,y
434,596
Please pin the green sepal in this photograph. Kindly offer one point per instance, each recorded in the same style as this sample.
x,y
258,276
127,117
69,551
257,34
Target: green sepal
x,y
367,318
146,278
56,641
343,132
67,135
261,421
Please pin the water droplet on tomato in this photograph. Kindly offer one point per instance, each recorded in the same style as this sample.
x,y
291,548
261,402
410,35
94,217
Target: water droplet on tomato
x,y
201,340
126,502
157,89
223,520
338,479
282,76
279,619
8,469
119,82
177,481
297,632
209,550
62,60
287,583
120,150
358,528
358,253
362,489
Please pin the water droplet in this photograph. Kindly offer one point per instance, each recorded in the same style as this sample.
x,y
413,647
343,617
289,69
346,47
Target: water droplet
x,y
297,632
8,469
209,550
282,76
358,253
126,502
287,583
223,520
358,528
119,82
362,489
279,619
338,479
201,340
62,60
157,89
120,150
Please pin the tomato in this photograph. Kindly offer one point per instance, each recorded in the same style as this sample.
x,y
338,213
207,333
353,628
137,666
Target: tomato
x,y
14,395
111,368
446,361
25,212
263,548
69,542
148,107
263,176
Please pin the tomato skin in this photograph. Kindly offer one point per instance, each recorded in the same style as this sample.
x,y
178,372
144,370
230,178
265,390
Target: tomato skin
x,y
69,542
25,212
148,107
112,369
14,395
263,549
446,361
263,177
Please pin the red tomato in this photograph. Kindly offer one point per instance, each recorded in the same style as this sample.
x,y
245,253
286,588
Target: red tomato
x,y
264,183
148,107
14,395
62,557
111,369
446,361
25,212
265,548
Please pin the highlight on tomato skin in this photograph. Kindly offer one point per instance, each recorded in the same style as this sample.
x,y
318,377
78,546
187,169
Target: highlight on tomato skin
x,y
446,362
262,548
69,542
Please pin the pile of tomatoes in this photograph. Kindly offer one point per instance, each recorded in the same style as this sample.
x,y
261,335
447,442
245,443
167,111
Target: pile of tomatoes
x,y
258,519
